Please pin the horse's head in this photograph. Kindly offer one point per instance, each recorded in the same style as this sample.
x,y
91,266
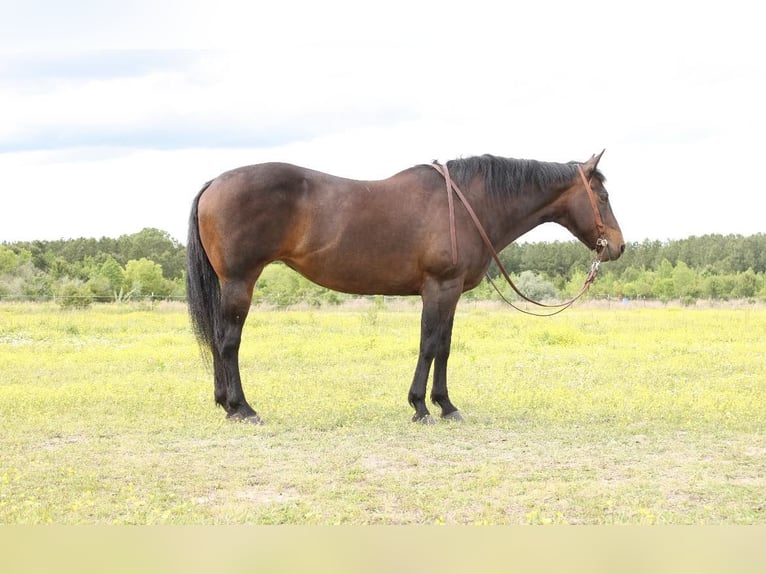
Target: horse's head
x,y
588,214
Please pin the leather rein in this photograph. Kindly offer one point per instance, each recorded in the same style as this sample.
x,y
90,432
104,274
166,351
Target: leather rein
x,y
601,242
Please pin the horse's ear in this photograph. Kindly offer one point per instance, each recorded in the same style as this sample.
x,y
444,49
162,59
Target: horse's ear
x,y
590,166
598,157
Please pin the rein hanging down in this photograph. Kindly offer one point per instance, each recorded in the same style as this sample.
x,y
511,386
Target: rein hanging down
x,y
601,242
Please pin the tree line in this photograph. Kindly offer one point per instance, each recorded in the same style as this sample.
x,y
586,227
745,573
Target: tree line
x,y
151,263
714,267
77,272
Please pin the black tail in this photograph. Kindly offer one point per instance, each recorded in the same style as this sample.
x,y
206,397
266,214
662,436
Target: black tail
x,y
203,291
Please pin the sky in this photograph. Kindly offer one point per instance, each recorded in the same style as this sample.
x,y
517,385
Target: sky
x,y
113,114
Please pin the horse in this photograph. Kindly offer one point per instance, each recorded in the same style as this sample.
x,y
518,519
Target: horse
x,y
397,236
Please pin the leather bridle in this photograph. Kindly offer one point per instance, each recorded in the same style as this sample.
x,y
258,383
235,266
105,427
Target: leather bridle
x,y
601,242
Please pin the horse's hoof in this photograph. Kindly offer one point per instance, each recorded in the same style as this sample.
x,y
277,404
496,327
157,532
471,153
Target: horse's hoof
x,y
252,419
454,416
424,420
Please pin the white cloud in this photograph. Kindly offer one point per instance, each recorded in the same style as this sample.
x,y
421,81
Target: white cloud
x,y
674,91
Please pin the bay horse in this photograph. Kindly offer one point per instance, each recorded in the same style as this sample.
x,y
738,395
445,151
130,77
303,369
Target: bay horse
x,y
396,236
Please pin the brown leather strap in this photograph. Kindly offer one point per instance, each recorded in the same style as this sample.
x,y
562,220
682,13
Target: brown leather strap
x,y
453,188
596,211
451,203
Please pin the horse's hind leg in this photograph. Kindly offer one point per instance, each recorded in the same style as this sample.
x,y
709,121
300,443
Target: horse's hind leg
x,y
235,305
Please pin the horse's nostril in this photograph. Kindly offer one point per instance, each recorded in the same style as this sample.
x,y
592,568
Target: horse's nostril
x,y
622,249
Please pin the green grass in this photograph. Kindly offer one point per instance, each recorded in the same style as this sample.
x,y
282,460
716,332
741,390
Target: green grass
x,y
595,416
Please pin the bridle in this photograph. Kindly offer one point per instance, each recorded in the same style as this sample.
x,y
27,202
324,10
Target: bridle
x,y
601,243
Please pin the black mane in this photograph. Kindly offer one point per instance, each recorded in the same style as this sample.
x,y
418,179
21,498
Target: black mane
x,y
508,176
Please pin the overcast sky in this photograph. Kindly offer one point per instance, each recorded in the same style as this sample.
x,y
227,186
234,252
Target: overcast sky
x,y
113,114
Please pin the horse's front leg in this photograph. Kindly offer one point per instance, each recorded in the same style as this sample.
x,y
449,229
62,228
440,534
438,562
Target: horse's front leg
x,y
439,303
439,395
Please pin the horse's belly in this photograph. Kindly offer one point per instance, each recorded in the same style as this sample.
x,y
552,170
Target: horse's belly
x,y
360,272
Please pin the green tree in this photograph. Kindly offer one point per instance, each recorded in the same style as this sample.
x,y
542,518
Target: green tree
x,y
111,271
156,245
718,287
606,285
685,283
34,284
143,278
9,260
536,286
73,294
746,285
106,280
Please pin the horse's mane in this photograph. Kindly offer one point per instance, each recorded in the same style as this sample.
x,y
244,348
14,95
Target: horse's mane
x,y
507,176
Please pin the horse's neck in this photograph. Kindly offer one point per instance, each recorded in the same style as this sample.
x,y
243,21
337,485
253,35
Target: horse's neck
x,y
515,215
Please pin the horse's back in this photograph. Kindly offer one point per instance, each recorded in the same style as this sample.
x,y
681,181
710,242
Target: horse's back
x,y
259,178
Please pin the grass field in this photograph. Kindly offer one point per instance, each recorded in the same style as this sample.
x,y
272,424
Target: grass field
x,y
595,416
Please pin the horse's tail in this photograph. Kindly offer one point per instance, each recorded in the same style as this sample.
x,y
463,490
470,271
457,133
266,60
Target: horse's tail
x,y
203,291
